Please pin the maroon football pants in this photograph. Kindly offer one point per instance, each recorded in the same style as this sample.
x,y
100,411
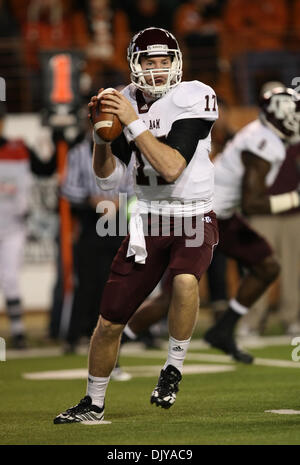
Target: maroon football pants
x,y
130,283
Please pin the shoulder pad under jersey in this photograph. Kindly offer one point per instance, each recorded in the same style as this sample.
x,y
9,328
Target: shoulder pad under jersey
x,y
197,98
264,143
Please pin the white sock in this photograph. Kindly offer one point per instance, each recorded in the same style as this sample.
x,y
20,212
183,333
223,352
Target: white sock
x,y
96,388
177,352
237,307
129,333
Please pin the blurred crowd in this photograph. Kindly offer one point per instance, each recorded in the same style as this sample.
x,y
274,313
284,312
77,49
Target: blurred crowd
x,y
233,45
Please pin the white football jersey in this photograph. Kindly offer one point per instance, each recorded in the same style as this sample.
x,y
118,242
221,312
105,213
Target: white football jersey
x,y
229,167
15,184
196,183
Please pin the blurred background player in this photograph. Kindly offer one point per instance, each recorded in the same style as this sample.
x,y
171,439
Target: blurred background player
x,y
281,231
243,172
17,164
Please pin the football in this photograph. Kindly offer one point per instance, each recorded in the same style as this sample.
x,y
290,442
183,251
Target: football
x,y
107,125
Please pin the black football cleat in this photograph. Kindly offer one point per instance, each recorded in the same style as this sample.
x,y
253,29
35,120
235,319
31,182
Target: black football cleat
x,y
164,394
84,413
220,340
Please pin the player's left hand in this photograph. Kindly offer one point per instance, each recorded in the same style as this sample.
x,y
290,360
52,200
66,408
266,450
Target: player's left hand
x,y
120,106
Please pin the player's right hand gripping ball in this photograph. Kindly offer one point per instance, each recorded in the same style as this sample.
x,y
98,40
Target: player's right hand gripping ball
x,y
107,125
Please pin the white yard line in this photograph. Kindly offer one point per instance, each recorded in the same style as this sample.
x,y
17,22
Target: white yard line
x,y
284,412
219,359
138,350
135,371
137,347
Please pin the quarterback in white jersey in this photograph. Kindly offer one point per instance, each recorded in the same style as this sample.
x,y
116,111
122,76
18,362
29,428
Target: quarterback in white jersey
x,y
185,102
178,119
166,137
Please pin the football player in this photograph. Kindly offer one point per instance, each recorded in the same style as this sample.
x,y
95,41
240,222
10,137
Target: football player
x,y
248,165
18,162
243,171
167,125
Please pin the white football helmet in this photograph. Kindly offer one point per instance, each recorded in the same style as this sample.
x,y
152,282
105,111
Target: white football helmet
x,y
154,41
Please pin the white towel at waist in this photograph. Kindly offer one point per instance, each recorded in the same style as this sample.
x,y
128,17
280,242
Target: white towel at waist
x,y
137,243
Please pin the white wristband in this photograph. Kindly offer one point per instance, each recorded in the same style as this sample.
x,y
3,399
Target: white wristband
x,y
98,139
136,128
283,202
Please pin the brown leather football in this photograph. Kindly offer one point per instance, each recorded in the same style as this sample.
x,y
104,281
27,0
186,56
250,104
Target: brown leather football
x,y
107,125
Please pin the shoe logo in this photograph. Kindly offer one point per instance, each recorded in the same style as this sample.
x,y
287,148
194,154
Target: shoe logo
x,y
177,349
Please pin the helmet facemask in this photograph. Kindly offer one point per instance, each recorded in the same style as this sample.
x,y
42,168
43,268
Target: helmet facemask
x,y
161,44
138,75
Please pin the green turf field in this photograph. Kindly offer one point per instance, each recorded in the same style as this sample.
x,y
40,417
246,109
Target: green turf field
x,y
219,408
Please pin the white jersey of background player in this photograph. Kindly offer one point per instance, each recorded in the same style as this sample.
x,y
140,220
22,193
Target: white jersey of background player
x,y
15,183
229,168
